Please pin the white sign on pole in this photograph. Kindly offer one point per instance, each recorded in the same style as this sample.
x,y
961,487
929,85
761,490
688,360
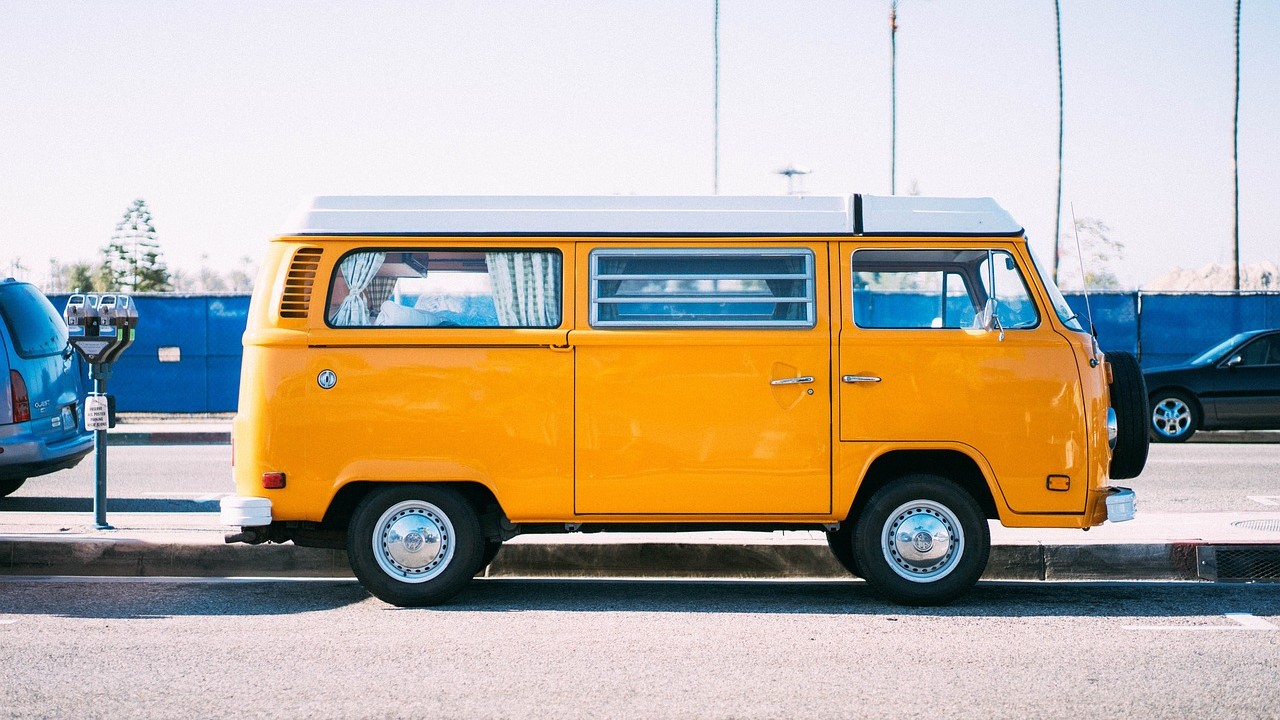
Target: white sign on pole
x,y
95,412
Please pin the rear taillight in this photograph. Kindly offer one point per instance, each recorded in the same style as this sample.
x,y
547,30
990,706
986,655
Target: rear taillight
x,y
18,393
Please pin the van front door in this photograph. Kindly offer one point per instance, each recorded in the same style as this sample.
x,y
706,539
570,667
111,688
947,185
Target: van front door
x,y
703,381
919,368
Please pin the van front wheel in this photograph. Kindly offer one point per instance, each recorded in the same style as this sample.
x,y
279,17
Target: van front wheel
x,y
922,540
413,545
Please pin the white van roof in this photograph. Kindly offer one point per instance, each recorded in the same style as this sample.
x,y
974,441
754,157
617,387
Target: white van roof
x,y
652,215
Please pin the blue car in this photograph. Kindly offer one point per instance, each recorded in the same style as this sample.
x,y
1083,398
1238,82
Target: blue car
x,y
40,412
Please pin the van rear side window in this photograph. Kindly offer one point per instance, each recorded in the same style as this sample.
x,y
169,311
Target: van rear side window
x,y
771,288
447,288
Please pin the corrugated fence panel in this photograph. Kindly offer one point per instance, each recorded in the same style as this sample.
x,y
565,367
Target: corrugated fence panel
x,y
227,317
1115,315
187,354
185,357
1177,327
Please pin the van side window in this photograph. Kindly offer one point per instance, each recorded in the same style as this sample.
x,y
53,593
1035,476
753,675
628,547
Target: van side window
x,y
771,288
938,289
447,288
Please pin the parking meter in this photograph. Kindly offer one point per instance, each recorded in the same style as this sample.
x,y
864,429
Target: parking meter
x,y
100,326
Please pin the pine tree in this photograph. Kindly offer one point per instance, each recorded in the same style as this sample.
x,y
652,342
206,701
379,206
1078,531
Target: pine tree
x,y
133,260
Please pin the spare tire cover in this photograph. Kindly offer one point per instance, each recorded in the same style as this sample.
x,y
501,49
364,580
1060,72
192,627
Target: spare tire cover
x,y
1129,400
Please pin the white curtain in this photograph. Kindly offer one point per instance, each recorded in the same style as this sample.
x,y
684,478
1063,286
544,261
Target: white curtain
x,y
526,288
358,270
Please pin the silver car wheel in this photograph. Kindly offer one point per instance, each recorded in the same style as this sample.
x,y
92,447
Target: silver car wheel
x,y
922,540
1171,417
413,541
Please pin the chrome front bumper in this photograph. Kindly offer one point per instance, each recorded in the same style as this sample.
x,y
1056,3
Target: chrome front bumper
x,y
1120,504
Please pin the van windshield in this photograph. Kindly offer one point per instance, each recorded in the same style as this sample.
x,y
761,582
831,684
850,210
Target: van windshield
x,y
1068,316
36,328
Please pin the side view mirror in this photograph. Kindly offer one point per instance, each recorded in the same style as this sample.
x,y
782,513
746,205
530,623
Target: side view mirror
x,y
1235,361
988,319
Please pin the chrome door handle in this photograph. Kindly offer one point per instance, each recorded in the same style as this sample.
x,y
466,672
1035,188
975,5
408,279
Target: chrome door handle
x,y
860,378
802,380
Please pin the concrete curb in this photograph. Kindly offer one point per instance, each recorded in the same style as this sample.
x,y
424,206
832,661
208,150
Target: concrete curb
x,y
141,558
184,437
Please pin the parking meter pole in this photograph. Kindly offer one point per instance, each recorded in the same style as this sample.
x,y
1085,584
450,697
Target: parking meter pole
x,y
100,372
100,327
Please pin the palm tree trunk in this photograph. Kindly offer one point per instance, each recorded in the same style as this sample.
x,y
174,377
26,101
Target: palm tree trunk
x,y
1057,213
1235,167
715,152
893,97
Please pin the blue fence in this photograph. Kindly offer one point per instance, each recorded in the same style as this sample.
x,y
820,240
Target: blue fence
x,y
1167,328
186,358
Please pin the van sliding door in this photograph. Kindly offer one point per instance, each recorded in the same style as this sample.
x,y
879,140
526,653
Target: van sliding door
x,y
703,381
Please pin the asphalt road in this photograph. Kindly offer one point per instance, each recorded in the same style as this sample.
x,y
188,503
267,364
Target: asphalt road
x,y
588,649
156,478
1204,477
1199,477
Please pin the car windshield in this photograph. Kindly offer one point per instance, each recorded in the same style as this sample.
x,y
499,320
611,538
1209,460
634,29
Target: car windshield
x,y
1216,351
36,328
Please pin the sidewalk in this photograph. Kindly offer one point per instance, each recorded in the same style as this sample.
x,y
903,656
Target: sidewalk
x,y
1155,546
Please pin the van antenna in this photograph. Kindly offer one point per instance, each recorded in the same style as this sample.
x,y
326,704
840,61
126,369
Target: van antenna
x,y
1084,283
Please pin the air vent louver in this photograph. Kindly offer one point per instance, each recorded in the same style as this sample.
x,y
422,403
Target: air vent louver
x,y
296,300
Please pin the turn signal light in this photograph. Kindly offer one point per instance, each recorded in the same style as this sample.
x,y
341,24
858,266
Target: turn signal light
x,y
273,480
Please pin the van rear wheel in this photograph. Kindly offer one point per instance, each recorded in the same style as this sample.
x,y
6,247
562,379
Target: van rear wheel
x,y
491,548
841,543
922,540
414,545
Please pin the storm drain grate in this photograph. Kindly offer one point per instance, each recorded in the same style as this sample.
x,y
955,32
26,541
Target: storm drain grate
x,y
1239,563
1268,525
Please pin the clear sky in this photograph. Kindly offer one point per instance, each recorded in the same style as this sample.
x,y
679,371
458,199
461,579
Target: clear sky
x,y
226,115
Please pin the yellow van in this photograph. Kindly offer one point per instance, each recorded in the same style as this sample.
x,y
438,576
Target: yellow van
x,y
427,377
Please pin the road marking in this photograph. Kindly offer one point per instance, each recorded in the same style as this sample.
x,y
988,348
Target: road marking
x,y
1265,499
1243,621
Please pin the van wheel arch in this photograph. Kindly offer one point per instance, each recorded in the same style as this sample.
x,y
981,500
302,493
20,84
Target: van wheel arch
x,y
954,465
481,498
951,467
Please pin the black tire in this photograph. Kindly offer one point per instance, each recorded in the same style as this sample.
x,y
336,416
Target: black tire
x,y
913,570
1174,416
491,548
415,545
1129,400
9,487
841,543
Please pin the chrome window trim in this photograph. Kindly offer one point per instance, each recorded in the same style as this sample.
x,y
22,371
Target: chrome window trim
x,y
808,276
